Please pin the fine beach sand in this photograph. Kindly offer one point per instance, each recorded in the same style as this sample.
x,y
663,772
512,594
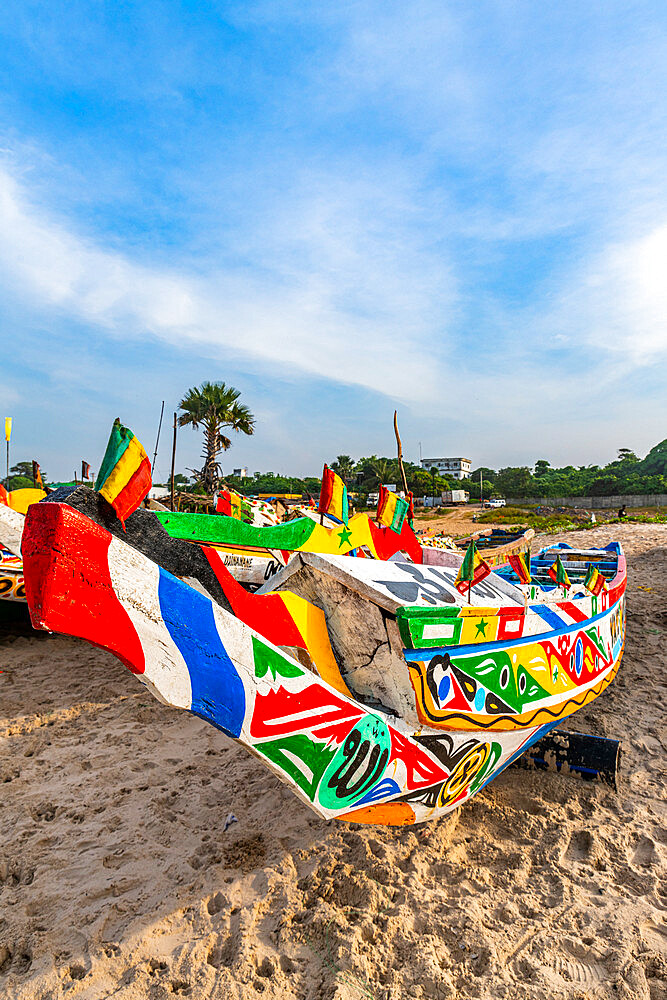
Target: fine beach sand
x,y
117,878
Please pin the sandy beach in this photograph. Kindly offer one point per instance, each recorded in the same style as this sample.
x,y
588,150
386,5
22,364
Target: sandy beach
x,y
119,879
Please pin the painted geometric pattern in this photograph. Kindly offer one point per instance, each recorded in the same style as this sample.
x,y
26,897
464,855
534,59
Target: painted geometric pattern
x,y
504,684
11,576
342,758
300,535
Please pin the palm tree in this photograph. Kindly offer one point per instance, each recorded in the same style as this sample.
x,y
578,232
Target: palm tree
x,y
215,406
344,467
384,469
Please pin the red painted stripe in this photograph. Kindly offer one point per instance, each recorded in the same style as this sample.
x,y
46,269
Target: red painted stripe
x,y
68,584
134,492
388,542
266,613
281,711
572,610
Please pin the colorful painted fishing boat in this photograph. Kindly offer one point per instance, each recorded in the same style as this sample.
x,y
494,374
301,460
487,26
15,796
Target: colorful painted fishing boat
x,y
13,506
11,576
372,688
254,554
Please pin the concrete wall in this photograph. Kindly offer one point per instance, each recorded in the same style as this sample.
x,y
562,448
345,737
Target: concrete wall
x,y
596,503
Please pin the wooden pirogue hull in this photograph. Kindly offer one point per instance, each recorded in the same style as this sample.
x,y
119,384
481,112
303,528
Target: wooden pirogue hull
x,y
343,758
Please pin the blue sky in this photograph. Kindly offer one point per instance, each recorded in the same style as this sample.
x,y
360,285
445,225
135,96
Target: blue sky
x,y
454,209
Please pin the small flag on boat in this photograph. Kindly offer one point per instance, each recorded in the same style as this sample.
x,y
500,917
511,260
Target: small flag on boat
x,y
595,581
333,496
85,470
8,428
473,569
233,504
392,509
520,563
558,574
124,478
37,475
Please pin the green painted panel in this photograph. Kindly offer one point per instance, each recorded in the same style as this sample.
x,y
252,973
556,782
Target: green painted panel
x,y
288,751
413,620
217,529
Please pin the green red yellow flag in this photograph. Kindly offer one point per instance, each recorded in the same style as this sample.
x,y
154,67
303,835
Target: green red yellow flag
x,y
520,563
333,496
595,581
558,575
392,509
124,478
473,569
37,475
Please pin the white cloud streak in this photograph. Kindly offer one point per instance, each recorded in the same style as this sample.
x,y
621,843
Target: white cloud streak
x,y
334,298
619,305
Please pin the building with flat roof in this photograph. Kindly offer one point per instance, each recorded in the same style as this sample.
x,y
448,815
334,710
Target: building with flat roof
x,y
457,468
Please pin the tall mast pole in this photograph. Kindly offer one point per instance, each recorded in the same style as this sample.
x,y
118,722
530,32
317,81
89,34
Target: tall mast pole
x,y
173,460
157,440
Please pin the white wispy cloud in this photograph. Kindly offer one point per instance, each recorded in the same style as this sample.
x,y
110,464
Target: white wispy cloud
x,y
460,208
619,303
336,296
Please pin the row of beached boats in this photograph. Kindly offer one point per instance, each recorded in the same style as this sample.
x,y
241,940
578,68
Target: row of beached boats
x,y
384,680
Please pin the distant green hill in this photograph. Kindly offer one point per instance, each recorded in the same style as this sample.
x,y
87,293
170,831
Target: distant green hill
x,y
655,463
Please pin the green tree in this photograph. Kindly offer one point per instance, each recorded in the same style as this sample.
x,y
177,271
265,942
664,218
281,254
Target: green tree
x,y
542,467
343,467
215,407
487,474
655,463
514,481
20,477
18,483
384,470
22,469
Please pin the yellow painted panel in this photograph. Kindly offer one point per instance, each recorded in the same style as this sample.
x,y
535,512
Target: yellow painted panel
x,y
20,500
312,625
472,630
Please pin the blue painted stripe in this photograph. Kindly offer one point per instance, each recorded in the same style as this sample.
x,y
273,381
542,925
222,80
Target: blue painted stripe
x,y
480,648
549,616
218,695
537,735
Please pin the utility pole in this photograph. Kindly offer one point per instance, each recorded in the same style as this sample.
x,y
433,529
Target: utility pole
x,y
173,460
8,434
157,440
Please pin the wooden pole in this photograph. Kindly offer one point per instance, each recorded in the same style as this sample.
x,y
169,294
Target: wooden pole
x,y
400,455
8,463
481,495
157,439
173,460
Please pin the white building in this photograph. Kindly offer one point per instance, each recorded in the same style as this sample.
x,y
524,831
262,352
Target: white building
x,y
458,468
241,473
